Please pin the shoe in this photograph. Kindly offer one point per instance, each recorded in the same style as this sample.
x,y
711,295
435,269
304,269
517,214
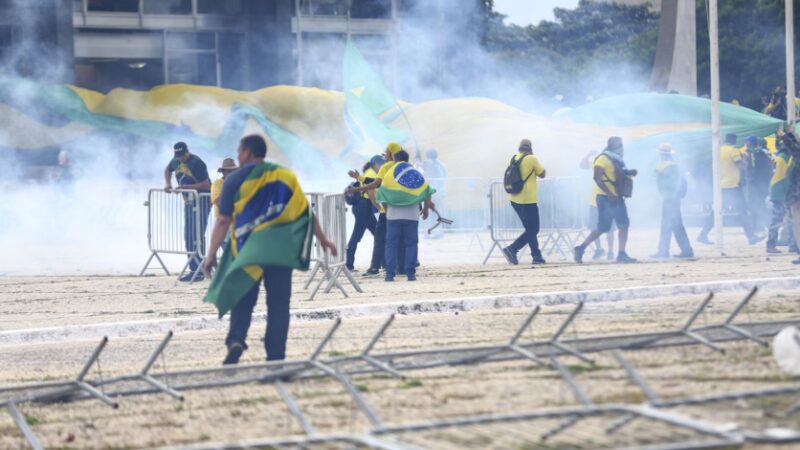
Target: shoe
x,y
610,256
388,279
773,250
371,272
538,261
684,255
659,256
755,239
598,253
796,261
704,240
412,277
190,277
623,258
577,254
511,257
234,353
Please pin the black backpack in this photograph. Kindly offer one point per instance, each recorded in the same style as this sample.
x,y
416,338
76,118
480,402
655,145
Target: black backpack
x,y
512,180
352,197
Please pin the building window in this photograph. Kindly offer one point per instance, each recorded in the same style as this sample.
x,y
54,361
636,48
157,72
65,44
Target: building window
x,y
371,9
113,5
220,7
167,6
323,7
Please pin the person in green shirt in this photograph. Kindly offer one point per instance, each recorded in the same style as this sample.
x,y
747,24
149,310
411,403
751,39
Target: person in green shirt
x,y
672,187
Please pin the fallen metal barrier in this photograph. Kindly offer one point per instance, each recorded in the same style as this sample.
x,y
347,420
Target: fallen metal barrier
x,y
543,353
176,224
331,210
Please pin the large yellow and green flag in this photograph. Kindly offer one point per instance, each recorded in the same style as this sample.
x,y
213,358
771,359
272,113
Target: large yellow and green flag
x,y
404,185
271,225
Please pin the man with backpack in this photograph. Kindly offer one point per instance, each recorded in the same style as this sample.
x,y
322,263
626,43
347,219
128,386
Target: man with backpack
x,y
672,187
613,183
520,184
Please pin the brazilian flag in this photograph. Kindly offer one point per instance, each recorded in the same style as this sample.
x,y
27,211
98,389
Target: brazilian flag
x,y
404,185
271,225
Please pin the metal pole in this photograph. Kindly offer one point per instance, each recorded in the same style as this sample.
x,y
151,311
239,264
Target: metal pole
x,y
790,104
713,35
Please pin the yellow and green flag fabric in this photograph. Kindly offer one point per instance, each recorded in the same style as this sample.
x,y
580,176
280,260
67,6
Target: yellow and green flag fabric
x,y
272,225
404,185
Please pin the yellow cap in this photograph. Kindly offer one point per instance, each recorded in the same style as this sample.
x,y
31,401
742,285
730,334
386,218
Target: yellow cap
x,y
393,148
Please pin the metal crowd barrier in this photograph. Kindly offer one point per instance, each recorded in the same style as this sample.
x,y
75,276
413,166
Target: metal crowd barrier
x,y
455,199
175,225
331,210
561,216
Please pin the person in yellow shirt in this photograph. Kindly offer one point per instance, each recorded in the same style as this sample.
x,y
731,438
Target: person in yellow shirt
x,y
228,166
587,163
609,167
731,165
364,210
779,185
525,204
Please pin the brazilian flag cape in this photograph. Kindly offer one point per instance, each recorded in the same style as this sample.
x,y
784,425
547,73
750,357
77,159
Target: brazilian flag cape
x,y
404,185
271,225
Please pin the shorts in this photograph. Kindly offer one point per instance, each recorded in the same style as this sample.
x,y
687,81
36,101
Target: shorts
x,y
610,212
593,220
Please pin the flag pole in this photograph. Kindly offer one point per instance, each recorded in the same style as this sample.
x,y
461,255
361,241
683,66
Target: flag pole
x,y
790,89
713,34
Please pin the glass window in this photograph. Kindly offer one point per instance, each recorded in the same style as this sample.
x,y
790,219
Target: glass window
x,y
324,7
193,69
113,5
221,7
371,9
191,41
167,6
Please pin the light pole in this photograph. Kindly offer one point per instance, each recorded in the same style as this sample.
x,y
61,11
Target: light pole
x,y
713,35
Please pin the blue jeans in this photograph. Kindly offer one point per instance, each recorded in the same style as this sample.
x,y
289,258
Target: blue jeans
x,y
408,231
365,220
278,284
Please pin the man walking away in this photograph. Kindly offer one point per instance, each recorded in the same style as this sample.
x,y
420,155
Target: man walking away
x,y
267,215
731,166
402,190
611,179
364,210
191,173
779,185
793,188
227,168
525,204
587,163
672,187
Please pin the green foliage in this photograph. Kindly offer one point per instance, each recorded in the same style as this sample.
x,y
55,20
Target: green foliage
x,y
581,52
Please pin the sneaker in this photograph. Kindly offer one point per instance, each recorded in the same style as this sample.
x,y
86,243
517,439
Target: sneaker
x,y
577,254
511,257
623,258
598,253
773,250
684,255
412,277
703,239
538,261
234,353
659,256
190,277
755,239
371,272
388,278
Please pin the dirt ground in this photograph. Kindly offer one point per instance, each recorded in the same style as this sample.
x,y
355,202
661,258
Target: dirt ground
x,y
256,411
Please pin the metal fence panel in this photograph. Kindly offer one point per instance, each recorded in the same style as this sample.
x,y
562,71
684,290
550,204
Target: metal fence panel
x,y
459,199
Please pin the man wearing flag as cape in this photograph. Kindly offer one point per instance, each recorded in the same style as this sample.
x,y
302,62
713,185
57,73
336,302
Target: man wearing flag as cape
x,y
267,217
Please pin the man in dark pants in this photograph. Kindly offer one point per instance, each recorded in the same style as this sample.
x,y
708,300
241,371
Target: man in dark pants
x,y
672,188
364,210
191,173
779,185
525,204
277,279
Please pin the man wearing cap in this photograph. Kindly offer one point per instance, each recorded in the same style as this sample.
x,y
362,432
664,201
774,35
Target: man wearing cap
x,y
525,204
379,245
364,209
731,165
191,173
672,187
228,166
609,168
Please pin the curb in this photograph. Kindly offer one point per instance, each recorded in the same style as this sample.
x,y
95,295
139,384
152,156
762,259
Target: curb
x,y
211,323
